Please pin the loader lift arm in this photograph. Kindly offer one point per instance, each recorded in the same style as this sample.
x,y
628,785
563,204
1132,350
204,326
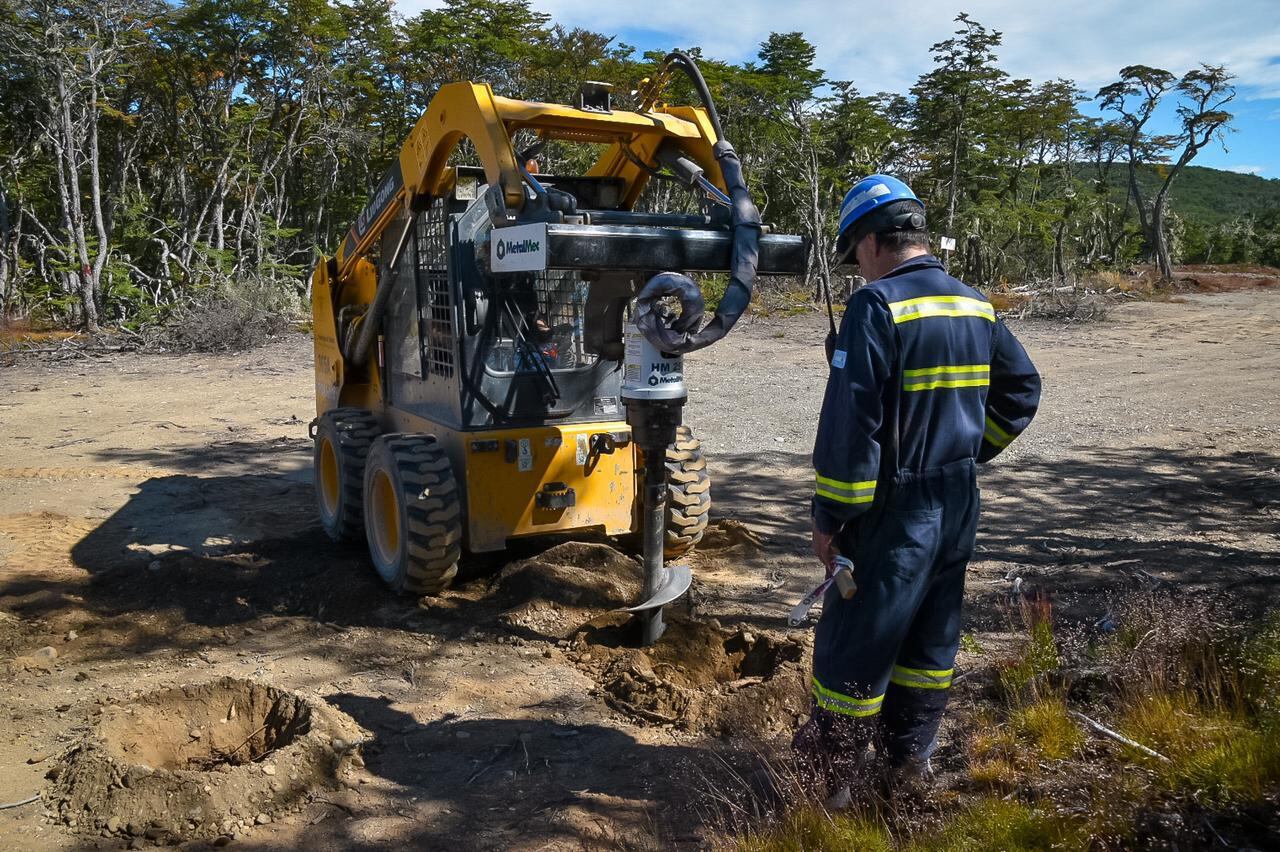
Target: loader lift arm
x,y
472,111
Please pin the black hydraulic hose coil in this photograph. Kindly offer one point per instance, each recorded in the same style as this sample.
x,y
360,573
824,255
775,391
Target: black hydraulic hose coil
x,y
683,335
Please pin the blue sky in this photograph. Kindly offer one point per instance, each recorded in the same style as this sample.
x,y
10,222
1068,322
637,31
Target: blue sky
x,y
884,47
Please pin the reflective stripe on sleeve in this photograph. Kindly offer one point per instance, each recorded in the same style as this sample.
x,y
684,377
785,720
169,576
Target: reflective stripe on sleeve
x,y
845,492
960,376
995,436
921,678
941,306
847,705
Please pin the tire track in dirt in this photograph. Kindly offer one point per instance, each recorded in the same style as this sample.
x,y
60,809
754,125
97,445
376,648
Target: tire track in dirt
x,y
59,474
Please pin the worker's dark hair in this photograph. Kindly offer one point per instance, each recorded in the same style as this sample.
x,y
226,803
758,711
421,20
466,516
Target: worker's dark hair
x,y
897,241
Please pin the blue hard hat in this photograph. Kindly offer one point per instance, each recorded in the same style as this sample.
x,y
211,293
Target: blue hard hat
x,y
871,194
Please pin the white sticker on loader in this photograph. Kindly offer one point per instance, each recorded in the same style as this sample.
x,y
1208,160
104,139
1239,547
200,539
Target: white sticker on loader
x,y
522,248
583,450
526,455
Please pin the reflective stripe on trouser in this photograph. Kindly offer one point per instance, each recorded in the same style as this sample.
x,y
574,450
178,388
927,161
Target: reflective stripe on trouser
x,y
921,678
845,705
897,637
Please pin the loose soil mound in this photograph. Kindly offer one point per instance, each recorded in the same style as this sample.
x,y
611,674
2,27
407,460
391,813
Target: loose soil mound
x,y
698,676
552,594
201,761
728,533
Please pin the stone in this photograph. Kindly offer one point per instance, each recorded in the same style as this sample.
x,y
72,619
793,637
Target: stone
x,y
262,819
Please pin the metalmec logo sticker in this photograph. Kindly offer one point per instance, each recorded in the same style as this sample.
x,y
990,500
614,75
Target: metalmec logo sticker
x,y
522,248
506,247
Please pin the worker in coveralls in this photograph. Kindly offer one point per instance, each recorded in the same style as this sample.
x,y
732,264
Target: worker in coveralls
x,y
925,383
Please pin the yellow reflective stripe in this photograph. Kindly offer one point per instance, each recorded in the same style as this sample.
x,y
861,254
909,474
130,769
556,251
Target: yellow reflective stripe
x,y
941,306
838,702
921,678
995,436
845,486
845,492
844,498
948,383
925,672
963,368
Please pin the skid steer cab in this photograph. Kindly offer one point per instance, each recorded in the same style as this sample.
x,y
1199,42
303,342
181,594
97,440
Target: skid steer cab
x,y
484,367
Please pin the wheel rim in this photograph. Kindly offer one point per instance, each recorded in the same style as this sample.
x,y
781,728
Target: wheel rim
x,y
329,483
384,521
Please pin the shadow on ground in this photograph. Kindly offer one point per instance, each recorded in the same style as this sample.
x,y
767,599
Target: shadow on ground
x,y
217,551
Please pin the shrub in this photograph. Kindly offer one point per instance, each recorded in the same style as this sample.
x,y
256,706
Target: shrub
x,y
232,317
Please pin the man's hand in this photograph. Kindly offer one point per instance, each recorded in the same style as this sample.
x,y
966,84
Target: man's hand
x,y
824,548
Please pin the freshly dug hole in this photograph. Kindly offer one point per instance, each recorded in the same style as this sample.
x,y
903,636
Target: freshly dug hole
x,y
194,761
225,723
698,675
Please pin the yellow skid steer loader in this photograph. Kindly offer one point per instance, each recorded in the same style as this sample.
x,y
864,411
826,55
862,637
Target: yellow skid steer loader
x,y
497,353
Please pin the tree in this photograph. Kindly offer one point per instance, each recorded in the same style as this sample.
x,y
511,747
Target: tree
x,y
74,52
1205,91
789,82
1146,86
953,107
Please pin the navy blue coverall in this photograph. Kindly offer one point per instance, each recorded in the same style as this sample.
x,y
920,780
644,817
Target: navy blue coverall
x,y
924,383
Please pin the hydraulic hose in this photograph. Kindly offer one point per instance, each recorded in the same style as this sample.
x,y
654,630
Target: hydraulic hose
x,y
683,334
691,69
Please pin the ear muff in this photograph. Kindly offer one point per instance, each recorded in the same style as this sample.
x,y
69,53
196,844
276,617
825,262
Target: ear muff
x,y
912,221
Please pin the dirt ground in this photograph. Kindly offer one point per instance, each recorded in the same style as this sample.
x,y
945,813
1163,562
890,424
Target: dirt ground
x,y
157,529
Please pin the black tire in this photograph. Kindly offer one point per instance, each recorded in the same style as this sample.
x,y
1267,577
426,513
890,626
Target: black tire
x,y
342,440
413,515
688,494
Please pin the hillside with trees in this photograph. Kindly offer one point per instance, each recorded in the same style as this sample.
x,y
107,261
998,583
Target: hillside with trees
x,y
156,157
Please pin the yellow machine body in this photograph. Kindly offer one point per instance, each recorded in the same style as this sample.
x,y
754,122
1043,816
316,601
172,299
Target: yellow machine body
x,y
500,489
502,471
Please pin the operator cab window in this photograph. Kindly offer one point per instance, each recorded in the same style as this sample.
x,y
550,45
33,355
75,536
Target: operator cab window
x,y
541,325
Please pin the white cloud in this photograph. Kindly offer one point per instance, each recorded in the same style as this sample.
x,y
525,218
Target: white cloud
x,y
1246,170
884,47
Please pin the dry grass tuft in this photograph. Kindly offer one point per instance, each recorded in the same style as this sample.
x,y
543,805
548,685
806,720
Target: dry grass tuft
x,y
1024,678
1045,726
811,828
997,825
1214,752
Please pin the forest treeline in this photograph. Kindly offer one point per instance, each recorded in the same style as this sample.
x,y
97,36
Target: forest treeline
x,y
158,155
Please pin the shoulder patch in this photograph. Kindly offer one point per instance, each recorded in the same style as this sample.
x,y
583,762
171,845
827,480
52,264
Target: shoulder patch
x,y
837,359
